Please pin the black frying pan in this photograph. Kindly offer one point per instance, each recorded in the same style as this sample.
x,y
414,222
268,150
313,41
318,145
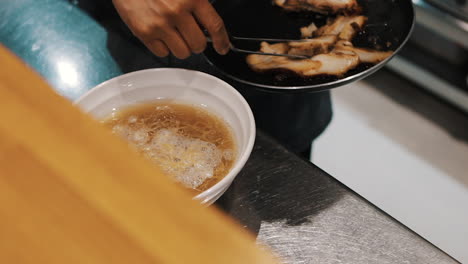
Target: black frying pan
x,y
388,28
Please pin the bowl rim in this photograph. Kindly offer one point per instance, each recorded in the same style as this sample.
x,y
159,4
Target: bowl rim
x,y
226,181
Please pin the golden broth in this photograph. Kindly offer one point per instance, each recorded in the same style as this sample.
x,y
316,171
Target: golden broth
x,y
188,143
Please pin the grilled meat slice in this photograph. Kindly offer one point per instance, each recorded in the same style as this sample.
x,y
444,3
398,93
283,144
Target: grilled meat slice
x,y
311,47
337,62
308,32
345,27
365,55
320,6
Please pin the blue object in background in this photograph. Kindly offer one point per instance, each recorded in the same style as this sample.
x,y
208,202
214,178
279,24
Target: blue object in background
x,y
60,41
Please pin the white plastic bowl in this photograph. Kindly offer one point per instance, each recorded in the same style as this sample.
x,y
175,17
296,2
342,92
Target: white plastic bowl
x,y
183,86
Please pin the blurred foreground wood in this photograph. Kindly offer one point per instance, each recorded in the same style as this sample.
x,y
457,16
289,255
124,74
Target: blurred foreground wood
x,y
72,193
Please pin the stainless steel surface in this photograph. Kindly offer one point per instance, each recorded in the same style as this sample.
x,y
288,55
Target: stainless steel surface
x,y
436,56
300,211
456,8
308,217
441,23
430,82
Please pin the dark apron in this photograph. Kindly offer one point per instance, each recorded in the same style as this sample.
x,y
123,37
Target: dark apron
x,y
294,119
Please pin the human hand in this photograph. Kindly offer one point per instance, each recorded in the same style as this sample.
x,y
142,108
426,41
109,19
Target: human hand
x,y
174,26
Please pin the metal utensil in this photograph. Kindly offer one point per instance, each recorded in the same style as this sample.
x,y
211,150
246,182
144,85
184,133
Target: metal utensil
x,y
235,49
296,57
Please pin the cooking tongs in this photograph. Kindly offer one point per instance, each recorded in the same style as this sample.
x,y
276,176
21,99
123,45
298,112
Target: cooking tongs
x,y
233,48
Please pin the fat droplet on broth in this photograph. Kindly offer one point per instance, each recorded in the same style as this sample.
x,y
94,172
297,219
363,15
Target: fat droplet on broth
x,y
162,107
139,136
229,154
132,119
121,130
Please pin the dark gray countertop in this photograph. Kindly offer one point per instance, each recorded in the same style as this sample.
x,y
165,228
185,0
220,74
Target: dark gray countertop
x,y
300,211
306,216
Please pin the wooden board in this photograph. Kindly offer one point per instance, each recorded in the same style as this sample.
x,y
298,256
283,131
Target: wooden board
x,y
70,192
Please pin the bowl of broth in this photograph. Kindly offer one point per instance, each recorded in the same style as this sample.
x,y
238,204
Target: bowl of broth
x,y
195,127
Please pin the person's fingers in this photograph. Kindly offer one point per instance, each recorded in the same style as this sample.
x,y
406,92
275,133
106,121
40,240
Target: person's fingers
x,y
208,17
192,34
176,44
158,47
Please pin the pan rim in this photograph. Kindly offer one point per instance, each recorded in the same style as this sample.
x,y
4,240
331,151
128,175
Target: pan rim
x,y
326,85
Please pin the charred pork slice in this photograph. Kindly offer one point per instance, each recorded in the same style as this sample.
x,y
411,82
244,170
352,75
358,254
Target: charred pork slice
x,y
311,47
345,27
337,62
320,6
365,55
308,32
